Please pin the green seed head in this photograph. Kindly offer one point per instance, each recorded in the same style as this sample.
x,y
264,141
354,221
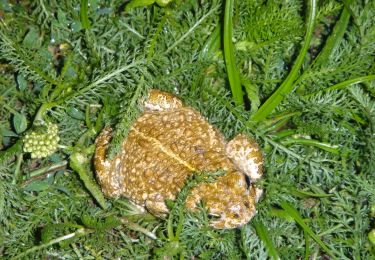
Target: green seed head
x,y
41,144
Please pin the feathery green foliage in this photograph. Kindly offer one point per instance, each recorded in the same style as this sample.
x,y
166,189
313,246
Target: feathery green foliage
x,y
86,64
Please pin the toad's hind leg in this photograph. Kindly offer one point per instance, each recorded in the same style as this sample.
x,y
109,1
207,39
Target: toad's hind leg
x,y
156,208
246,155
106,170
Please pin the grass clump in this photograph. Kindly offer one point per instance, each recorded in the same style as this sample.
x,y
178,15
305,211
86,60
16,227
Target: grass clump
x,y
296,75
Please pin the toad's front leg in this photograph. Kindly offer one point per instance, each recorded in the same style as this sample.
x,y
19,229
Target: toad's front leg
x,y
107,171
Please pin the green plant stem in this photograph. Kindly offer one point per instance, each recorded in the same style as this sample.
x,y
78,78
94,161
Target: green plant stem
x,y
80,232
230,61
84,14
17,171
42,110
136,227
282,134
287,86
45,170
79,162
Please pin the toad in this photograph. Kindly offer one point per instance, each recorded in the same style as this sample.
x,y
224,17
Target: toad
x,y
170,142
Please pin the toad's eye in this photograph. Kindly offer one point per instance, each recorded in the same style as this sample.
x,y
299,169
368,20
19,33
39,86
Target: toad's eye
x,y
248,182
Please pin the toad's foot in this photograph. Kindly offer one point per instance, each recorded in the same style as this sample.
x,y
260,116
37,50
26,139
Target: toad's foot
x,y
234,218
246,155
157,208
106,170
228,198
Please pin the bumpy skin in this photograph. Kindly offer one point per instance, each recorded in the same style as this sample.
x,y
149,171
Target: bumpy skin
x,y
170,142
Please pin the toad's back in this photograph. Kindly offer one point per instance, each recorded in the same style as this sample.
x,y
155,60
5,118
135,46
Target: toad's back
x,y
163,148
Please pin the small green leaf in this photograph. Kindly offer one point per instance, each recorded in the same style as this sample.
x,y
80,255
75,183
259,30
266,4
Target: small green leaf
x,y
21,82
32,39
7,132
61,17
75,113
280,213
76,26
64,190
19,123
37,186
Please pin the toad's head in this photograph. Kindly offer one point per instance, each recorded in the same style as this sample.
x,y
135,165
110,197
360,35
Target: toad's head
x,y
158,100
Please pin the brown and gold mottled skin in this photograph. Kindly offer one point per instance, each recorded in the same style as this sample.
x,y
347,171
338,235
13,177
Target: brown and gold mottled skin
x,y
170,142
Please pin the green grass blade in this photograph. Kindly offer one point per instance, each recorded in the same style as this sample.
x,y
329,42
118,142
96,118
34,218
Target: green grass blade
x,y
334,39
311,142
212,44
306,194
345,84
84,14
264,236
280,213
307,245
233,73
297,217
287,86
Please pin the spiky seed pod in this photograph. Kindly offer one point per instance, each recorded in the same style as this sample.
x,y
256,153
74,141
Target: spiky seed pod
x,y
42,141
